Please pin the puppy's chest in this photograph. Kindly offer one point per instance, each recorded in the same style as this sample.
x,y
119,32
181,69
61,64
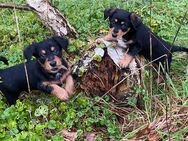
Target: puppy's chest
x,y
121,42
57,78
124,43
53,77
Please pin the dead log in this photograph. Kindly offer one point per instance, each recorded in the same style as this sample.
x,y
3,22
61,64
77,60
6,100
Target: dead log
x,y
102,76
52,18
99,75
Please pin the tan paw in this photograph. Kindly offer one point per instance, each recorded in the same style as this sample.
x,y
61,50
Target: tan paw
x,y
123,63
59,92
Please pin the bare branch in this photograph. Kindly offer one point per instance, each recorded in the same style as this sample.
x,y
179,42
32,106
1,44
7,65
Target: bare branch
x,y
19,7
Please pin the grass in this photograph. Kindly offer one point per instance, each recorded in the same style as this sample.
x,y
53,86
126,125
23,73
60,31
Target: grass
x,y
42,117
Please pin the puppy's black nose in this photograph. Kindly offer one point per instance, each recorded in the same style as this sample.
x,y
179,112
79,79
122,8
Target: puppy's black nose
x,y
53,63
114,35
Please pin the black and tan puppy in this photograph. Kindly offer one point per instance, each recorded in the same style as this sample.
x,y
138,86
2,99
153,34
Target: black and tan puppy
x,y
45,73
137,36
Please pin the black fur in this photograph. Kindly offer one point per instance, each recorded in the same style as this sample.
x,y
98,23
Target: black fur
x,y
139,34
4,60
14,78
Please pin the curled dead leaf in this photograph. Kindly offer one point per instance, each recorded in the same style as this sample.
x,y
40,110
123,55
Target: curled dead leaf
x,y
90,136
69,136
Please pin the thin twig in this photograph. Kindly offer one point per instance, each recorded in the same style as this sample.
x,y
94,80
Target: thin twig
x,y
95,75
150,72
27,78
19,37
17,25
179,27
19,7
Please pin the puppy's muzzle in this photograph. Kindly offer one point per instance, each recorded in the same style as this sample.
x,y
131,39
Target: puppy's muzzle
x,y
53,63
114,35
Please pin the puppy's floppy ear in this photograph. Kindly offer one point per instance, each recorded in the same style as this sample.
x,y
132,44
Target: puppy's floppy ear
x,y
30,51
135,20
61,41
108,12
4,60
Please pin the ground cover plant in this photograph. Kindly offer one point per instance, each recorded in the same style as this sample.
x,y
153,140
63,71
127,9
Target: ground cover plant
x,y
43,117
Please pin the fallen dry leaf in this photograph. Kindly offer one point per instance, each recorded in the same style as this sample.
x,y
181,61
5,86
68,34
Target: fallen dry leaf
x,y
183,110
146,130
90,136
154,136
69,136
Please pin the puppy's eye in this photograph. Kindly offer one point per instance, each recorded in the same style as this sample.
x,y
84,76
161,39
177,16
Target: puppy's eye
x,y
111,24
122,23
52,49
43,52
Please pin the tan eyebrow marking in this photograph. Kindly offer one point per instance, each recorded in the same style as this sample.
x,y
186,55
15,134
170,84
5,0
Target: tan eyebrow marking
x,y
122,22
43,51
52,48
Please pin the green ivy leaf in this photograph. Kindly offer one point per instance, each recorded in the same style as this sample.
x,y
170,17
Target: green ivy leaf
x,y
19,106
63,106
132,101
52,124
41,111
57,138
2,133
39,127
23,135
97,58
97,98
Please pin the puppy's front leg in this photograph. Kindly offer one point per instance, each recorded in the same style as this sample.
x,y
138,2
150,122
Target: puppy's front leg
x,y
108,37
69,82
128,57
125,61
54,89
62,93
45,87
59,92
69,86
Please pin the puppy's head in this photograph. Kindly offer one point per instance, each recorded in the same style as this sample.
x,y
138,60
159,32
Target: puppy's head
x,y
48,53
121,21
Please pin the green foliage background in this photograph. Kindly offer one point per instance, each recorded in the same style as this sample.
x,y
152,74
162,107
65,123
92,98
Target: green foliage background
x,y
41,116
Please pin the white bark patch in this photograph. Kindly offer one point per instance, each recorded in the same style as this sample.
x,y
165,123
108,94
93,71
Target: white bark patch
x,y
52,18
117,52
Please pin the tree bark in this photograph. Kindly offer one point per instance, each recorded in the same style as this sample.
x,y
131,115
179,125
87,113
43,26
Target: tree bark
x,y
52,18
